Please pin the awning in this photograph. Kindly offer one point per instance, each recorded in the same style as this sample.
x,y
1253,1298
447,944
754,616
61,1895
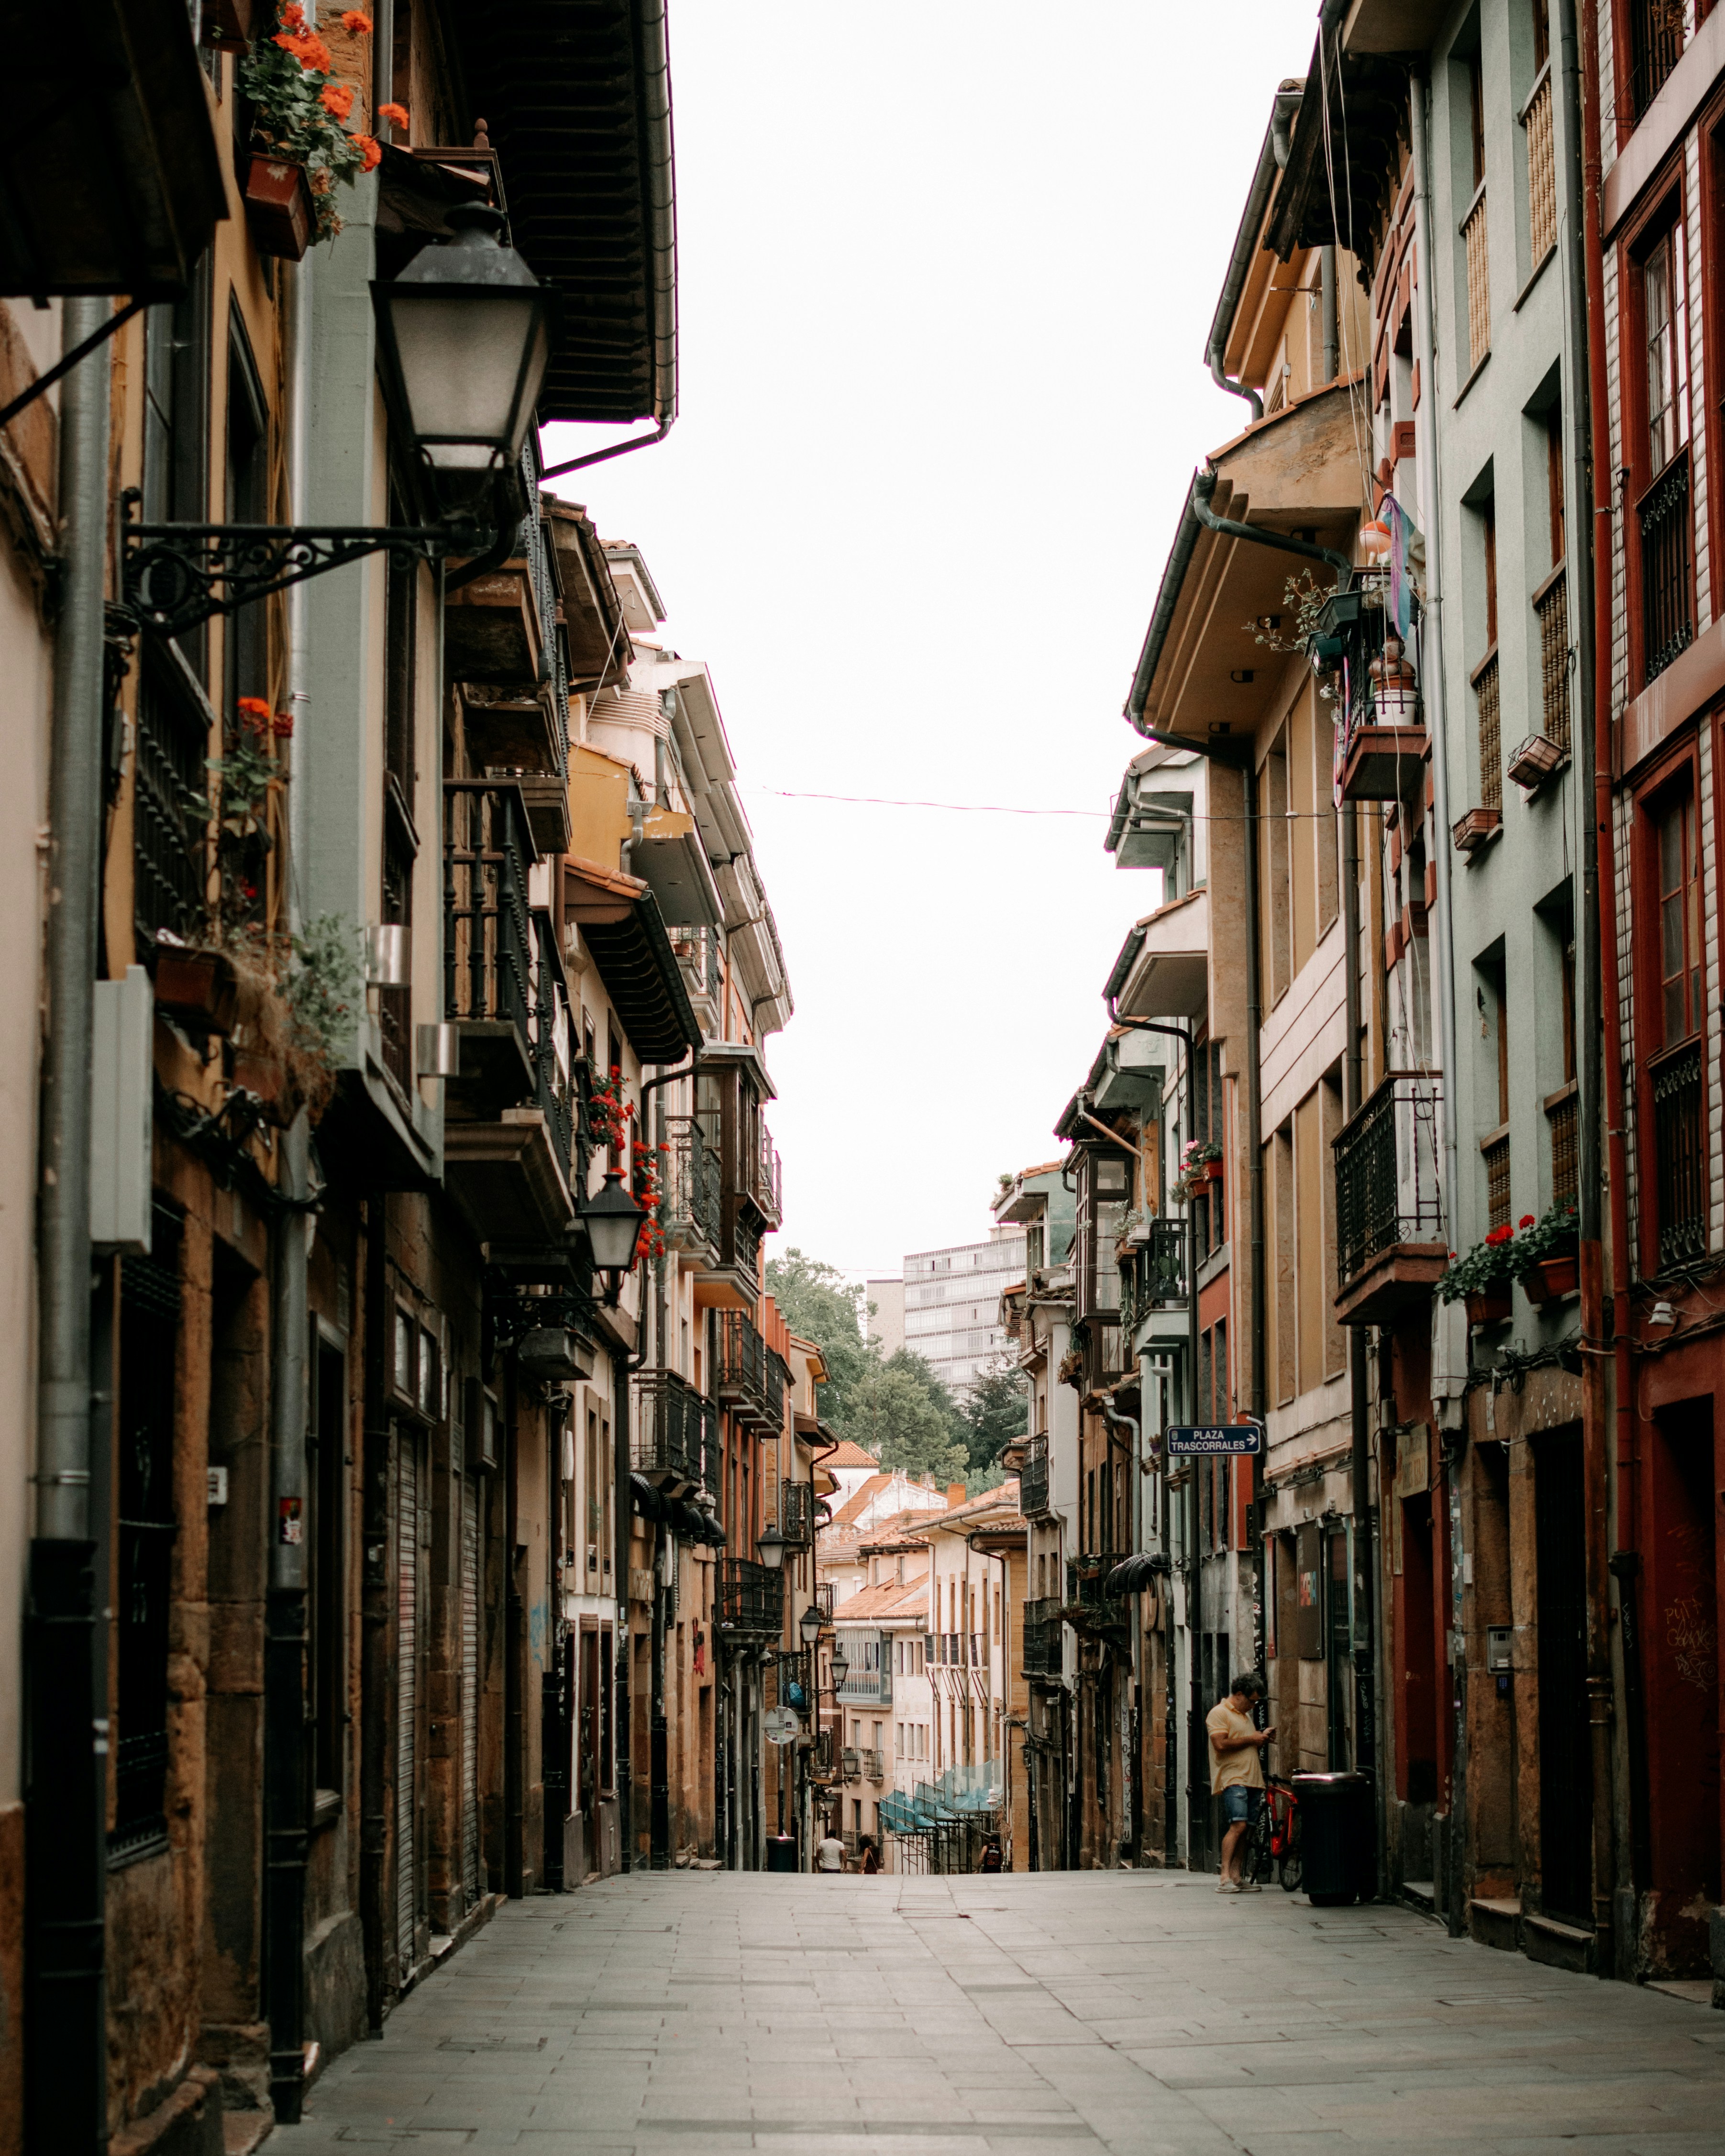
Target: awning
x,y
1134,1575
621,925
645,1498
576,99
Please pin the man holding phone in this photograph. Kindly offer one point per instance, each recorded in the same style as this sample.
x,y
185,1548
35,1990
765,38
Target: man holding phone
x,y
1237,1771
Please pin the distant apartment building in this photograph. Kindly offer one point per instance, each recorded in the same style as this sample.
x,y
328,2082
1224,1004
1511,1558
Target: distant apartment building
x,y
884,1299
951,1305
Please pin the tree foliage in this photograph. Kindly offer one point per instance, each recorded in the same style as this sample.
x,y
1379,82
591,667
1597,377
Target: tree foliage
x,y
892,1406
997,1410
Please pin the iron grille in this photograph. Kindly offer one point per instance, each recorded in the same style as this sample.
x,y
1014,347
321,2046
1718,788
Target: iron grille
x,y
1667,608
1491,733
1163,1263
1659,30
1552,612
1387,1189
1496,1156
169,783
1563,1118
741,1381
1680,1166
1045,1645
694,1201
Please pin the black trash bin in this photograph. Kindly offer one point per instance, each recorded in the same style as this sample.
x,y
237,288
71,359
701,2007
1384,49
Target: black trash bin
x,y
780,1852
1338,1838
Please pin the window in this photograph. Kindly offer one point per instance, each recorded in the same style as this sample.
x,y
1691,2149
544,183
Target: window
x,y
1489,725
149,1339
1679,868
1658,287
1663,336
1659,31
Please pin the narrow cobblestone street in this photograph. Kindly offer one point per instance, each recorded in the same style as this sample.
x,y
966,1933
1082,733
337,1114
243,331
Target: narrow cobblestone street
x,y
1139,2013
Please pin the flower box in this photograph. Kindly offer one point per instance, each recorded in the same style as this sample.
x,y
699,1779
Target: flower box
x,y
1536,759
198,988
1213,1171
1548,1279
1475,827
1490,1307
279,207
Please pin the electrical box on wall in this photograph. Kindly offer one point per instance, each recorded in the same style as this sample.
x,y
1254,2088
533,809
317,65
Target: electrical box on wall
x,y
121,1083
1499,1639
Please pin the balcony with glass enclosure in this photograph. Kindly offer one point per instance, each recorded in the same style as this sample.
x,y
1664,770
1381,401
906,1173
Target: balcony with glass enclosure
x,y
1389,1241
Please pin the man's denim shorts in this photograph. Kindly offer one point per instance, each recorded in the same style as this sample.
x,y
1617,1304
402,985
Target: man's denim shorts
x,y
1239,1804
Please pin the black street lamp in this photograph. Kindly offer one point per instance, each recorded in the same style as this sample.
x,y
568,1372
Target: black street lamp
x,y
770,1547
463,335
612,1221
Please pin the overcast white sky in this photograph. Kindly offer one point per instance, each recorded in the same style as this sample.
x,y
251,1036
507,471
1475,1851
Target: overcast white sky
x,y
946,268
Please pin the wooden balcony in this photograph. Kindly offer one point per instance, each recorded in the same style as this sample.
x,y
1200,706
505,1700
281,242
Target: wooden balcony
x,y
1390,1251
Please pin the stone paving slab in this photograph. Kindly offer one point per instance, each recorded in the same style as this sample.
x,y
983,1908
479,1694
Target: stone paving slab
x,y
1092,2013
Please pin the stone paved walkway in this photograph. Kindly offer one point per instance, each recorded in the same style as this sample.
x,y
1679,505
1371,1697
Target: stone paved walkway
x,y
697,2014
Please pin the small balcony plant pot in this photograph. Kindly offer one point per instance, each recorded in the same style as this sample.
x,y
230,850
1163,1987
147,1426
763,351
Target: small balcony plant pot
x,y
1213,1171
279,207
198,988
1490,1307
1548,1279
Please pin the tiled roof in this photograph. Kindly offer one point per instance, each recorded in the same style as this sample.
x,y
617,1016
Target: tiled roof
x,y
858,1503
850,1456
899,1599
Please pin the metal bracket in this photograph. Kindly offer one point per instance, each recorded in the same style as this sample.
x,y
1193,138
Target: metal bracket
x,y
174,575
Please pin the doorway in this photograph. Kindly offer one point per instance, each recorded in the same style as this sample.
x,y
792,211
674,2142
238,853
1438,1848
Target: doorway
x,y
1566,1811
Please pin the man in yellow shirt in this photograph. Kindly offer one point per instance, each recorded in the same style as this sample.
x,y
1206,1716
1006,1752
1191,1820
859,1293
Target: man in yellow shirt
x,y
1237,1771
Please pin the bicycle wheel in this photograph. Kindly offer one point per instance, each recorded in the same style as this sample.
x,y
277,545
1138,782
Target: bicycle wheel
x,y
1292,1870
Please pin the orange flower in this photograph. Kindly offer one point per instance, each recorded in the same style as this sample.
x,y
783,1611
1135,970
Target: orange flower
x,y
374,156
396,114
254,707
308,48
338,99
356,20
292,16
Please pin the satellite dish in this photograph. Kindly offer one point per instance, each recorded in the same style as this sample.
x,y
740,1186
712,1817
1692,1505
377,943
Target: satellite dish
x,y
780,1725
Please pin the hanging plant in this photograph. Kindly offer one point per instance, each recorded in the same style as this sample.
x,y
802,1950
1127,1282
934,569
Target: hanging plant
x,y
301,110
608,1115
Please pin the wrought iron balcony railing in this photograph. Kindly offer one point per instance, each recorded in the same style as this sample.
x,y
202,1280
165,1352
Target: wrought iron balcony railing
x,y
1032,1480
1387,1189
764,1181
1088,1608
740,1377
665,1436
748,1600
694,1203
796,1512
1045,1638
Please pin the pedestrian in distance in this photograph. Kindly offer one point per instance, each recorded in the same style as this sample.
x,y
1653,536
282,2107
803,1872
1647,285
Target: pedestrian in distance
x,y
867,1860
992,1859
1237,1772
829,1853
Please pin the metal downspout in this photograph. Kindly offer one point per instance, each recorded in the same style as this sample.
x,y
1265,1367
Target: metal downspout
x,y
66,2072
1431,669
659,1733
1584,309
287,1827
1628,1880
1130,1791
1328,312
624,1650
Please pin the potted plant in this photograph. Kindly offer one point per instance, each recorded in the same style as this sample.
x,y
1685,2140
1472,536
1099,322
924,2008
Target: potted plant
x,y
1200,1162
301,146
196,986
1482,1277
1549,1252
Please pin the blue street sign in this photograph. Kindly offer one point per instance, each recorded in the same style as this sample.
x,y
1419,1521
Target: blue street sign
x,y
1185,1440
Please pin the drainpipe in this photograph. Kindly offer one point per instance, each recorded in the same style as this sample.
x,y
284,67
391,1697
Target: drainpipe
x,y
1619,1918
1328,312
624,1647
286,1827
1365,1569
1131,1761
1431,669
66,2072
1197,1790
658,1733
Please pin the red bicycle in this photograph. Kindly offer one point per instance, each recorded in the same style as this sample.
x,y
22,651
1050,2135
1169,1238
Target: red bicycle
x,y
1275,1836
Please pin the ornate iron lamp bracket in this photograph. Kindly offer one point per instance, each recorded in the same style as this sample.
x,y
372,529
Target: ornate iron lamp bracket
x,y
174,575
